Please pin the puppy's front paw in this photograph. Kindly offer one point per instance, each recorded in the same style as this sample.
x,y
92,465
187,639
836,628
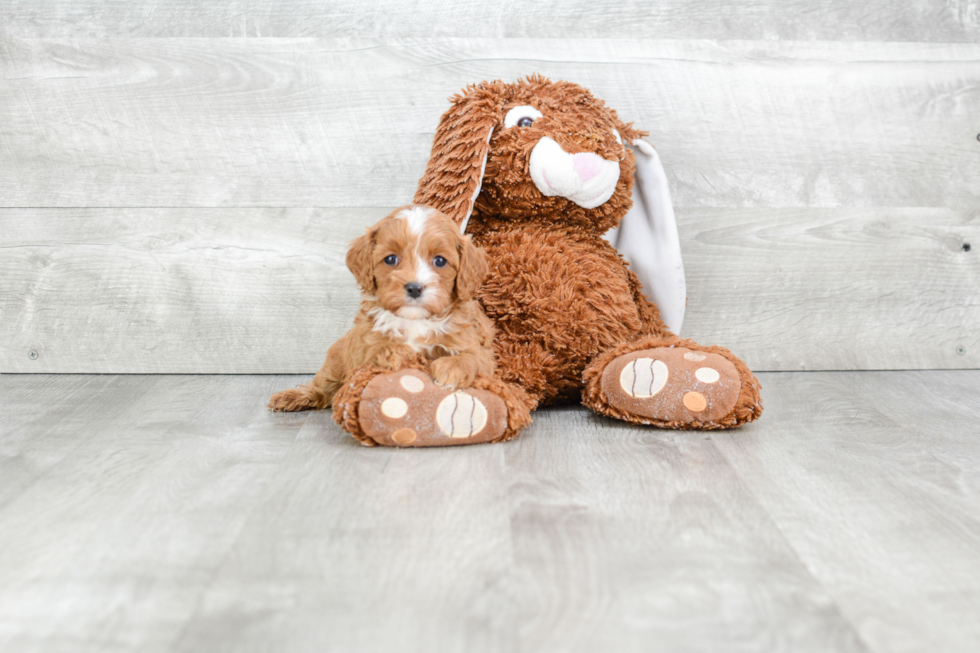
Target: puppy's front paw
x,y
450,373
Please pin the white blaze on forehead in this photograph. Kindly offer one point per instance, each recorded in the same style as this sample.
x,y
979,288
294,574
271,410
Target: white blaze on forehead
x,y
415,217
423,271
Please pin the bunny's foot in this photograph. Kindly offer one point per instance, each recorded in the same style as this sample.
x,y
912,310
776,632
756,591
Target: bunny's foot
x,y
406,409
681,386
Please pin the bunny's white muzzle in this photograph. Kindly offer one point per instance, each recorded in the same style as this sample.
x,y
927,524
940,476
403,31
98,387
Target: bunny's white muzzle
x,y
585,178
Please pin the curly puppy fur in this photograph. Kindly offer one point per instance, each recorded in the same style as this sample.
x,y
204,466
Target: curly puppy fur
x,y
418,275
563,299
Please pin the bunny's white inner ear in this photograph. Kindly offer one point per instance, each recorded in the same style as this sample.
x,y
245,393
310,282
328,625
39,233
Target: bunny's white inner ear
x,y
647,238
479,185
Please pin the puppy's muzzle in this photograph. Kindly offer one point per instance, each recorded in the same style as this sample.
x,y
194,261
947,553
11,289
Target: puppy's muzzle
x,y
413,289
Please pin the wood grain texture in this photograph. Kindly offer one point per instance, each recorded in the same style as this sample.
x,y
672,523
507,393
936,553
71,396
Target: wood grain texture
x,y
174,513
110,547
874,479
349,122
835,289
628,536
45,421
154,290
267,291
355,550
838,20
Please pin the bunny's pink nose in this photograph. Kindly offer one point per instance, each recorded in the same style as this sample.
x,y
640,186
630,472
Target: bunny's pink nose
x,y
586,165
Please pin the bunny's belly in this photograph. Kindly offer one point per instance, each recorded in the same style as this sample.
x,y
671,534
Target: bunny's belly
x,y
558,299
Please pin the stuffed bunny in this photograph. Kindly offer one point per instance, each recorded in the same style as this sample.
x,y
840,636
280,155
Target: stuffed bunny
x,y
561,194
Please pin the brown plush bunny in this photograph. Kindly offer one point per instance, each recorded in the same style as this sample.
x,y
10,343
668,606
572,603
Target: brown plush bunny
x,y
538,172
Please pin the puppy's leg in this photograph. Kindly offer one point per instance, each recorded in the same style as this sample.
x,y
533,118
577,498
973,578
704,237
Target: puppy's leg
x,y
461,370
319,393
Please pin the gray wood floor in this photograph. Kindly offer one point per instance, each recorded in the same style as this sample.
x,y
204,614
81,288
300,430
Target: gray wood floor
x,y
173,513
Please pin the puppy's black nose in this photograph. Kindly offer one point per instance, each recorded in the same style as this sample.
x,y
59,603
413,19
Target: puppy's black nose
x,y
414,289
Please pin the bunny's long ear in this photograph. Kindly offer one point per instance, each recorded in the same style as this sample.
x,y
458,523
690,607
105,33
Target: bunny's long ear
x,y
647,238
454,175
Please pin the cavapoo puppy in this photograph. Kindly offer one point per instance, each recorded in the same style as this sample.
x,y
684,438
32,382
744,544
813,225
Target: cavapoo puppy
x,y
419,276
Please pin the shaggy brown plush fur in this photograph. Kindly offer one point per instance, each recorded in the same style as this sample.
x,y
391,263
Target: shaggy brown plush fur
x,y
564,302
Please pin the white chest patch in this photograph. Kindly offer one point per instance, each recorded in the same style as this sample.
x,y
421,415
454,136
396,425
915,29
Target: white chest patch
x,y
414,333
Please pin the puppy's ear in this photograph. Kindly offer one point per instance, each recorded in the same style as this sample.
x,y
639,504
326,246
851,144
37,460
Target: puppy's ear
x,y
472,269
460,148
360,262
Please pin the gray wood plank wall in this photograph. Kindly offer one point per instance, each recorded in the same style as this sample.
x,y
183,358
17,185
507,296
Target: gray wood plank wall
x,y
947,21
175,204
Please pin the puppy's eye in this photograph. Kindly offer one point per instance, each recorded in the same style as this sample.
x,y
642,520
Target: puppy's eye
x,y
391,259
522,116
439,262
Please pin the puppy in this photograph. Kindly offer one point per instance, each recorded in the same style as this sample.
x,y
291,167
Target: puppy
x,y
418,276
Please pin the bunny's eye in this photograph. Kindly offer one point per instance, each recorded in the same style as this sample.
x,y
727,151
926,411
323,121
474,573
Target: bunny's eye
x,y
391,259
522,116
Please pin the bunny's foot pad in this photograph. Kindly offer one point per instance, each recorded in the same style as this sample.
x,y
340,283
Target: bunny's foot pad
x,y
672,384
406,409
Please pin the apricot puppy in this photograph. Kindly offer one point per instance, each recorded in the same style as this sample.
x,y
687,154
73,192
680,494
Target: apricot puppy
x,y
418,275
